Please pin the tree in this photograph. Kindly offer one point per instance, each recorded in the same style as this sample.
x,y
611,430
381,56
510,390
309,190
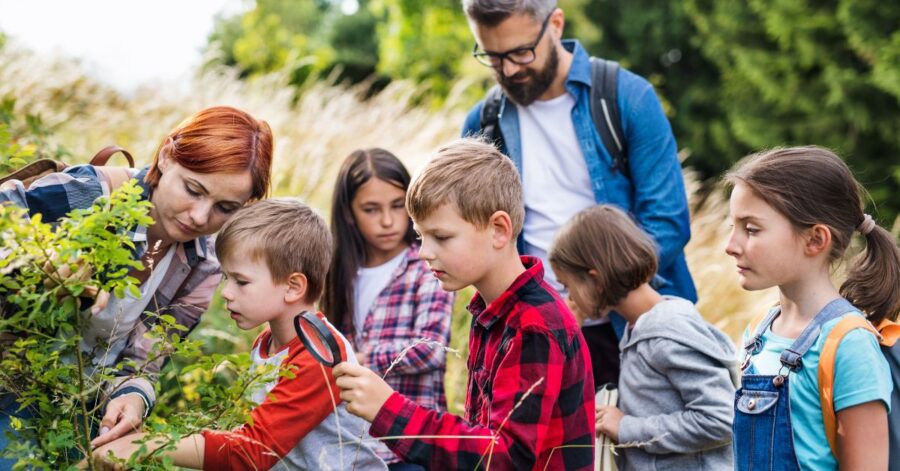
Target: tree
x,y
423,41
800,72
312,38
657,40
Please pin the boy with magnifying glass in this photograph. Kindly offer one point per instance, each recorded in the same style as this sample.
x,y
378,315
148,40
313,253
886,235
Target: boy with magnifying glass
x,y
275,255
530,401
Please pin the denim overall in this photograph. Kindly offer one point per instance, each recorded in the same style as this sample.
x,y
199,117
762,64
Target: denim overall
x,y
763,437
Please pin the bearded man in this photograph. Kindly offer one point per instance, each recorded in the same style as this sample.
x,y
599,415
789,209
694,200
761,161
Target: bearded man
x,y
549,116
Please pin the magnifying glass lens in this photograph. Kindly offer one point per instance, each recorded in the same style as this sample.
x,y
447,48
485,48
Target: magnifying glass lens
x,y
318,338
315,341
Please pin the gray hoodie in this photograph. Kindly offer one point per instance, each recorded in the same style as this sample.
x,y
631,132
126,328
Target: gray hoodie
x,y
676,390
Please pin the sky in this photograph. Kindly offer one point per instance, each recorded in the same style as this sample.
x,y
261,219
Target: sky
x,y
126,43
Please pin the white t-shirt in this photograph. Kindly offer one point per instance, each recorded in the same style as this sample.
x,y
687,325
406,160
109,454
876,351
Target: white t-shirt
x,y
112,325
368,285
554,174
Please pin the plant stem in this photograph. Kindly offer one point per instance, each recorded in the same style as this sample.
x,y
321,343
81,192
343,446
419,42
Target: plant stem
x,y
85,418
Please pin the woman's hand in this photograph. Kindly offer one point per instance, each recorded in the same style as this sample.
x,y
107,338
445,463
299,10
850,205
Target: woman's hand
x,y
362,389
607,421
77,272
124,414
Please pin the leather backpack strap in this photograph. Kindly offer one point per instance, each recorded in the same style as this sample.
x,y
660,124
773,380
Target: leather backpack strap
x,y
827,357
34,170
100,159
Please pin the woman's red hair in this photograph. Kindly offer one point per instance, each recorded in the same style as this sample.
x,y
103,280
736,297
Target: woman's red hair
x,y
220,139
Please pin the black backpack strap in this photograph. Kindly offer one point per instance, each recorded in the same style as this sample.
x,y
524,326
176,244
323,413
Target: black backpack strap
x,y
490,116
605,112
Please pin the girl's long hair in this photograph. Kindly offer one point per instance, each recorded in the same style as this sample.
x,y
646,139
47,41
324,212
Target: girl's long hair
x,y
811,185
349,245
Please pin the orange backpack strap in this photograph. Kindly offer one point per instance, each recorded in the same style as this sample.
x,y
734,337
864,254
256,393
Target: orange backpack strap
x,y
890,332
827,358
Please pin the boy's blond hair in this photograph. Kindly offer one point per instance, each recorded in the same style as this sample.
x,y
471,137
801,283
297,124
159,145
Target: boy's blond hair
x,y
475,177
289,235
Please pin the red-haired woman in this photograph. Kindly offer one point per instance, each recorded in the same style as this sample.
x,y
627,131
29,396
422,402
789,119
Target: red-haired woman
x,y
210,165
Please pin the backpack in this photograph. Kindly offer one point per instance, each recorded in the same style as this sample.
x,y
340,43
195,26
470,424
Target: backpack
x,y
39,168
604,113
887,332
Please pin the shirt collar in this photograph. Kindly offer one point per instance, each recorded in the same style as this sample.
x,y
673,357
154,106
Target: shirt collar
x,y
488,315
580,69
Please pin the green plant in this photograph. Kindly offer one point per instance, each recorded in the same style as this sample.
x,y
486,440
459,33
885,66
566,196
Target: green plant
x,y
47,269
49,272
23,138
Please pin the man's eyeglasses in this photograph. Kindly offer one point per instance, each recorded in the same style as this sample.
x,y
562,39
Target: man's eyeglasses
x,y
521,55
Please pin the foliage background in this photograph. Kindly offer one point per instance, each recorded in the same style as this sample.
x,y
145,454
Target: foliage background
x,y
734,77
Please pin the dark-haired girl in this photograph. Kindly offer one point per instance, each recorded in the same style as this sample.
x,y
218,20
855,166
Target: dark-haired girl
x,y
378,292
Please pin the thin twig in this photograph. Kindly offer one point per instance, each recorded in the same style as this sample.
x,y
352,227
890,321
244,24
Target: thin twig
x,y
490,450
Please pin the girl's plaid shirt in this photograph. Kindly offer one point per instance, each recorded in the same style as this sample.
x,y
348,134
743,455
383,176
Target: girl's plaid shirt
x,y
411,307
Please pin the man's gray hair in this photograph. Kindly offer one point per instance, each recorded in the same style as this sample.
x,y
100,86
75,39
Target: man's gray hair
x,y
493,12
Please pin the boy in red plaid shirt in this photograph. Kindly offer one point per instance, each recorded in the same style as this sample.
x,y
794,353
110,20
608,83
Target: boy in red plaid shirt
x,y
530,397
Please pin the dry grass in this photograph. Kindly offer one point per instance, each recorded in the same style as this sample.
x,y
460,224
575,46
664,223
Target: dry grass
x,y
721,300
313,136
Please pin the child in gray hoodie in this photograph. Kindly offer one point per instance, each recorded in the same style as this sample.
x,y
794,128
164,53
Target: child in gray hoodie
x,y
678,372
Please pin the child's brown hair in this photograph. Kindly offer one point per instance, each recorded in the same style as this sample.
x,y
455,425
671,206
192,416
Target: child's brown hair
x,y
287,234
811,185
475,177
604,238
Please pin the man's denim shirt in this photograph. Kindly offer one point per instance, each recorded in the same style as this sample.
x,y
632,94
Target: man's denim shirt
x,y
654,195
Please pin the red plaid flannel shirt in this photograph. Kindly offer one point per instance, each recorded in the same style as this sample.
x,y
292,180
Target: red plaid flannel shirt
x,y
525,340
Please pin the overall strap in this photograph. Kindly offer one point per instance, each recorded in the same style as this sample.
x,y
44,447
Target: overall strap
x,y
826,372
791,356
757,328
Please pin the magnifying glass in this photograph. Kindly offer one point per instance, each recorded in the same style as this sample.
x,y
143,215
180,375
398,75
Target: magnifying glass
x,y
317,338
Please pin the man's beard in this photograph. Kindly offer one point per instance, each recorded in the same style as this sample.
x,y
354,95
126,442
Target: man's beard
x,y
526,92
